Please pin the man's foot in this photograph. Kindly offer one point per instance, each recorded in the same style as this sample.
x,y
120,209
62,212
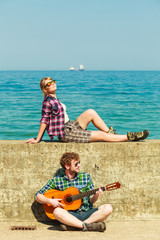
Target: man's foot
x,y
136,136
64,227
111,131
96,227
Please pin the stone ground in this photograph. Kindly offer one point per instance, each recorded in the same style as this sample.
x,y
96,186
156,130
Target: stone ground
x,y
131,230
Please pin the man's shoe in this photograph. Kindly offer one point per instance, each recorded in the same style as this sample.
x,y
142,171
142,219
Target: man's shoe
x,y
111,131
64,227
136,136
96,227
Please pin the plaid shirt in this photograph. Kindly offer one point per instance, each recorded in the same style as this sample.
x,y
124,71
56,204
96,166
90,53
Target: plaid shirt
x,y
82,182
53,116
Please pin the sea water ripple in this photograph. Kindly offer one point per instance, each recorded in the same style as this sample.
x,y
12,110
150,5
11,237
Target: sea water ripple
x,y
126,100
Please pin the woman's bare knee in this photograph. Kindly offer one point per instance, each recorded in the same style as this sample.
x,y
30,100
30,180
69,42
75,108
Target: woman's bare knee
x,y
86,117
91,112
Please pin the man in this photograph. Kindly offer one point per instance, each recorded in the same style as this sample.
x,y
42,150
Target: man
x,y
86,218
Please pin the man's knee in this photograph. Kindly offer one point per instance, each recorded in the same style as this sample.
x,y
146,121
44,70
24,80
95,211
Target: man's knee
x,y
107,209
57,212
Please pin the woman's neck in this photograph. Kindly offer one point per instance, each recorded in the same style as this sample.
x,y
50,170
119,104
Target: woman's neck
x,y
53,95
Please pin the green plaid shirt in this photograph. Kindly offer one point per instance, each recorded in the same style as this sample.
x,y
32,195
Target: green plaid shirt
x,y
82,182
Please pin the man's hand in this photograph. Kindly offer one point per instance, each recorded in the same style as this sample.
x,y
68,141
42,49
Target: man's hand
x,y
95,197
55,202
98,193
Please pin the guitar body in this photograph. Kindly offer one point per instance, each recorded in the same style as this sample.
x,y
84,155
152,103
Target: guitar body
x,y
71,197
53,193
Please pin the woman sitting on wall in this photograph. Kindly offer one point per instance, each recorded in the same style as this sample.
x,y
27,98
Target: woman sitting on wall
x,y
55,120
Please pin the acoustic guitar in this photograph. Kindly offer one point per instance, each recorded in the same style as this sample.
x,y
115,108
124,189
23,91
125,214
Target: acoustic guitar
x,y
72,198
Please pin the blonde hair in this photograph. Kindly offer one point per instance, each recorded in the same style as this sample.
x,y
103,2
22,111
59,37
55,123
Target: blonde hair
x,y
42,84
67,158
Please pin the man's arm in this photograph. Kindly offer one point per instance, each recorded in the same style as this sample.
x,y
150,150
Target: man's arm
x,y
90,186
95,197
53,202
39,197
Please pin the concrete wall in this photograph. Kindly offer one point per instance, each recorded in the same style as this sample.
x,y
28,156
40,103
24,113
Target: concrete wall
x,y
25,168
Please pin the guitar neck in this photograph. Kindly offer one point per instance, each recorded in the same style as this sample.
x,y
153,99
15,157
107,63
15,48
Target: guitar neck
x,y
86,194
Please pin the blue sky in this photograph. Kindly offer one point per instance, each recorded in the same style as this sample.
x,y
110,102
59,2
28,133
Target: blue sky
x,y
101,34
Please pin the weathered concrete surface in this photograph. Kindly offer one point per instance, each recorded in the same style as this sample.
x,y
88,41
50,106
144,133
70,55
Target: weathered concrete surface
x,y
25,168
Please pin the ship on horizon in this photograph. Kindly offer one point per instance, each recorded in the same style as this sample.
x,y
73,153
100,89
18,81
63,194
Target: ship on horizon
x,y
81,68
71,69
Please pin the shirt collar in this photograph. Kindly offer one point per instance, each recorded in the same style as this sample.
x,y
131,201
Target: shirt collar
x,y
76,177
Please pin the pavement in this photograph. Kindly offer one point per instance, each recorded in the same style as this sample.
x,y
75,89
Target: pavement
x,y
130,230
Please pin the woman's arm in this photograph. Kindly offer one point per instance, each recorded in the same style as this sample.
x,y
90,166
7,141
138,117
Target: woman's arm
x,y
40,134
46,112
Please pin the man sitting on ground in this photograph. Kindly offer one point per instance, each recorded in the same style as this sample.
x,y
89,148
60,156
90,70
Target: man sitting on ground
x,y
86,218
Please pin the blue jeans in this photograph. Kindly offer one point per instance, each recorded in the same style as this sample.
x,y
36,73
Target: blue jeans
x,y
83,215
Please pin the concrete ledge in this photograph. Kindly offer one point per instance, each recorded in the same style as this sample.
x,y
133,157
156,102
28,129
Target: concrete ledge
x,y
25,168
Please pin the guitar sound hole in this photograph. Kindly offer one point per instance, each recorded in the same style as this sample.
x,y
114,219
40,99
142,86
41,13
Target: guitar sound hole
x,y
68,199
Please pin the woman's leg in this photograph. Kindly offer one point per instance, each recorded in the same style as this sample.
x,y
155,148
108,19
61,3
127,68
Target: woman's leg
x,y
91,116
98,136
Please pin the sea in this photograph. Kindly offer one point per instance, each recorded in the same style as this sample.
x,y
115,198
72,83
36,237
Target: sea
x,y
126,100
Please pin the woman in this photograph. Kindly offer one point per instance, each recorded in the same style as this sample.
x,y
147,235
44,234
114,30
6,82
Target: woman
x,y
57,123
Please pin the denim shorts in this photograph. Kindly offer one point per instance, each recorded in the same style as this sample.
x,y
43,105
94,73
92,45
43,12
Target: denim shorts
x,y
83,215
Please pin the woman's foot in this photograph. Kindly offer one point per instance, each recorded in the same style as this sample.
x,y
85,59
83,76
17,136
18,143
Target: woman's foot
x,y
136,136
111,131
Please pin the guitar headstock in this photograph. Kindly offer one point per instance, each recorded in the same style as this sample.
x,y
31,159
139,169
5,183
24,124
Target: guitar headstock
x,y
113,186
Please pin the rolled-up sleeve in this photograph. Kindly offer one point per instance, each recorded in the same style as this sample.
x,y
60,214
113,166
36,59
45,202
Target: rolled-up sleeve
x,y
49,185
46,112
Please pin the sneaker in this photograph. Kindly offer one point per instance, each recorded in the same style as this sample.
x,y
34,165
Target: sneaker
x,y
111,131
64,227
96,227
136,136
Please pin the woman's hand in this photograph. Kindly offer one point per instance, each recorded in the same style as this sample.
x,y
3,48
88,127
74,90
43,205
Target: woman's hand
x,y
32,140
40,134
